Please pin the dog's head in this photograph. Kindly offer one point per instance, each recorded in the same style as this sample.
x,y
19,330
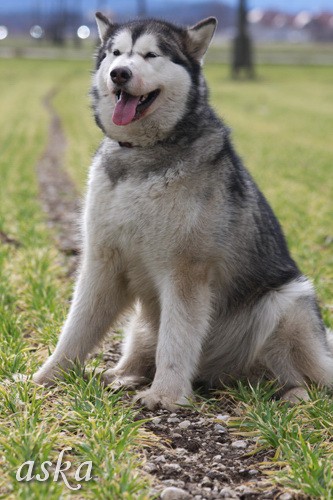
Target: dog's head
x,y
146,74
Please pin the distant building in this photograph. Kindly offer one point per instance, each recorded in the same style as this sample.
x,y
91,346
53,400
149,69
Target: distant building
x,y
274,25
321,27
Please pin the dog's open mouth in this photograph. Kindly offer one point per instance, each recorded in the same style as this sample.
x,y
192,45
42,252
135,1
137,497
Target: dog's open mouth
x,y
129,107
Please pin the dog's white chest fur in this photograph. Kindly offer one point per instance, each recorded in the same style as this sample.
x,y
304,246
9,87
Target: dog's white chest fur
x,y
143,218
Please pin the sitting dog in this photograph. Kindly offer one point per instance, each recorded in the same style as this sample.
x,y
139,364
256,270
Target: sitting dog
x,y
175,226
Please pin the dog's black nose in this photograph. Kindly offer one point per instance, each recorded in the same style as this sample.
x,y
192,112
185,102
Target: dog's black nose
x,y
120,75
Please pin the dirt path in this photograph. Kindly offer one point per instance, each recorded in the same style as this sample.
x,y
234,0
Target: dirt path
x,y
59,196
197,457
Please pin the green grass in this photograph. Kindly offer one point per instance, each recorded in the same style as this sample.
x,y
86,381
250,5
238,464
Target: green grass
x,y
277,53
36,423
282,127
79,126
300,435
220,51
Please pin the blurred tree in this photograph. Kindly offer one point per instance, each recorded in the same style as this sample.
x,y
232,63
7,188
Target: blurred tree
x,y
58,23
142,8
242,46
77,40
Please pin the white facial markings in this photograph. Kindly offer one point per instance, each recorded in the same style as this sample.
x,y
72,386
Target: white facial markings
x,y
122,42
144,44
129,53
148,74
133,56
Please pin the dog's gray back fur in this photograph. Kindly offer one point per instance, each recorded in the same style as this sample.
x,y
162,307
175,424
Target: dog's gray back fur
x,y
185,231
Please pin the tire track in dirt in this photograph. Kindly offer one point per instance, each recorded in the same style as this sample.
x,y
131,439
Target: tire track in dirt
x,y
196,457
58,194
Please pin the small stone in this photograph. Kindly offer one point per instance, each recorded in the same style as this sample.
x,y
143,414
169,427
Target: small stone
x,y
156,420
253,472
181,451
285,496
244,490
228,493
206,482
223,418
174,482
160,458
173,420
107,357
173,493
217,458
239,444
219,428
19,377
215,474
185,424
150,468
171,468
176,435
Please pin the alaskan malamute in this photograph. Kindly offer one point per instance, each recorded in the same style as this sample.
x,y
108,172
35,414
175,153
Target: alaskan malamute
x,y
175,227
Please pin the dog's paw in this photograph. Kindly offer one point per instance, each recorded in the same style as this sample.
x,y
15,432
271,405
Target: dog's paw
x,y
117,381
151,398
295,395
45,377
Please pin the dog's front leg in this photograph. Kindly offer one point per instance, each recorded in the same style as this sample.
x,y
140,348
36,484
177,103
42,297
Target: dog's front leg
x,y
185,312
100,295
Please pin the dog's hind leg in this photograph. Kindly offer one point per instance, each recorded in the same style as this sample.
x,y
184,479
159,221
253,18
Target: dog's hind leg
x,y
100,296
298,351
137,364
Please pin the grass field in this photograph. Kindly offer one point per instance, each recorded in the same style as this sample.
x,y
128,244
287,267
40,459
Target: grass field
x,y
220,51
283,126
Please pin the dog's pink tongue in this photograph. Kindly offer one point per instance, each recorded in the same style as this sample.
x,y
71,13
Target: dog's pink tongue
x,y
125,109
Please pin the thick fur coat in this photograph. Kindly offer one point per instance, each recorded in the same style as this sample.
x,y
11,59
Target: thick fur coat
x,y
175,226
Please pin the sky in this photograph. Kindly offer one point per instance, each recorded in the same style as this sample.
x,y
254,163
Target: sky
x,y
121,5
288,5
292,6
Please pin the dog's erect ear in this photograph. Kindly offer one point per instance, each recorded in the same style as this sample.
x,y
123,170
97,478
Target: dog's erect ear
x,y
200,36
103,25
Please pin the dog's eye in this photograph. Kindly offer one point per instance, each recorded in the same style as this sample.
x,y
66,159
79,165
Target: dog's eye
x,y
150,55
116,52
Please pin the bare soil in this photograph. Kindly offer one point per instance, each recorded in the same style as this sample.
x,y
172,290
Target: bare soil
x,y
59,196
194,452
